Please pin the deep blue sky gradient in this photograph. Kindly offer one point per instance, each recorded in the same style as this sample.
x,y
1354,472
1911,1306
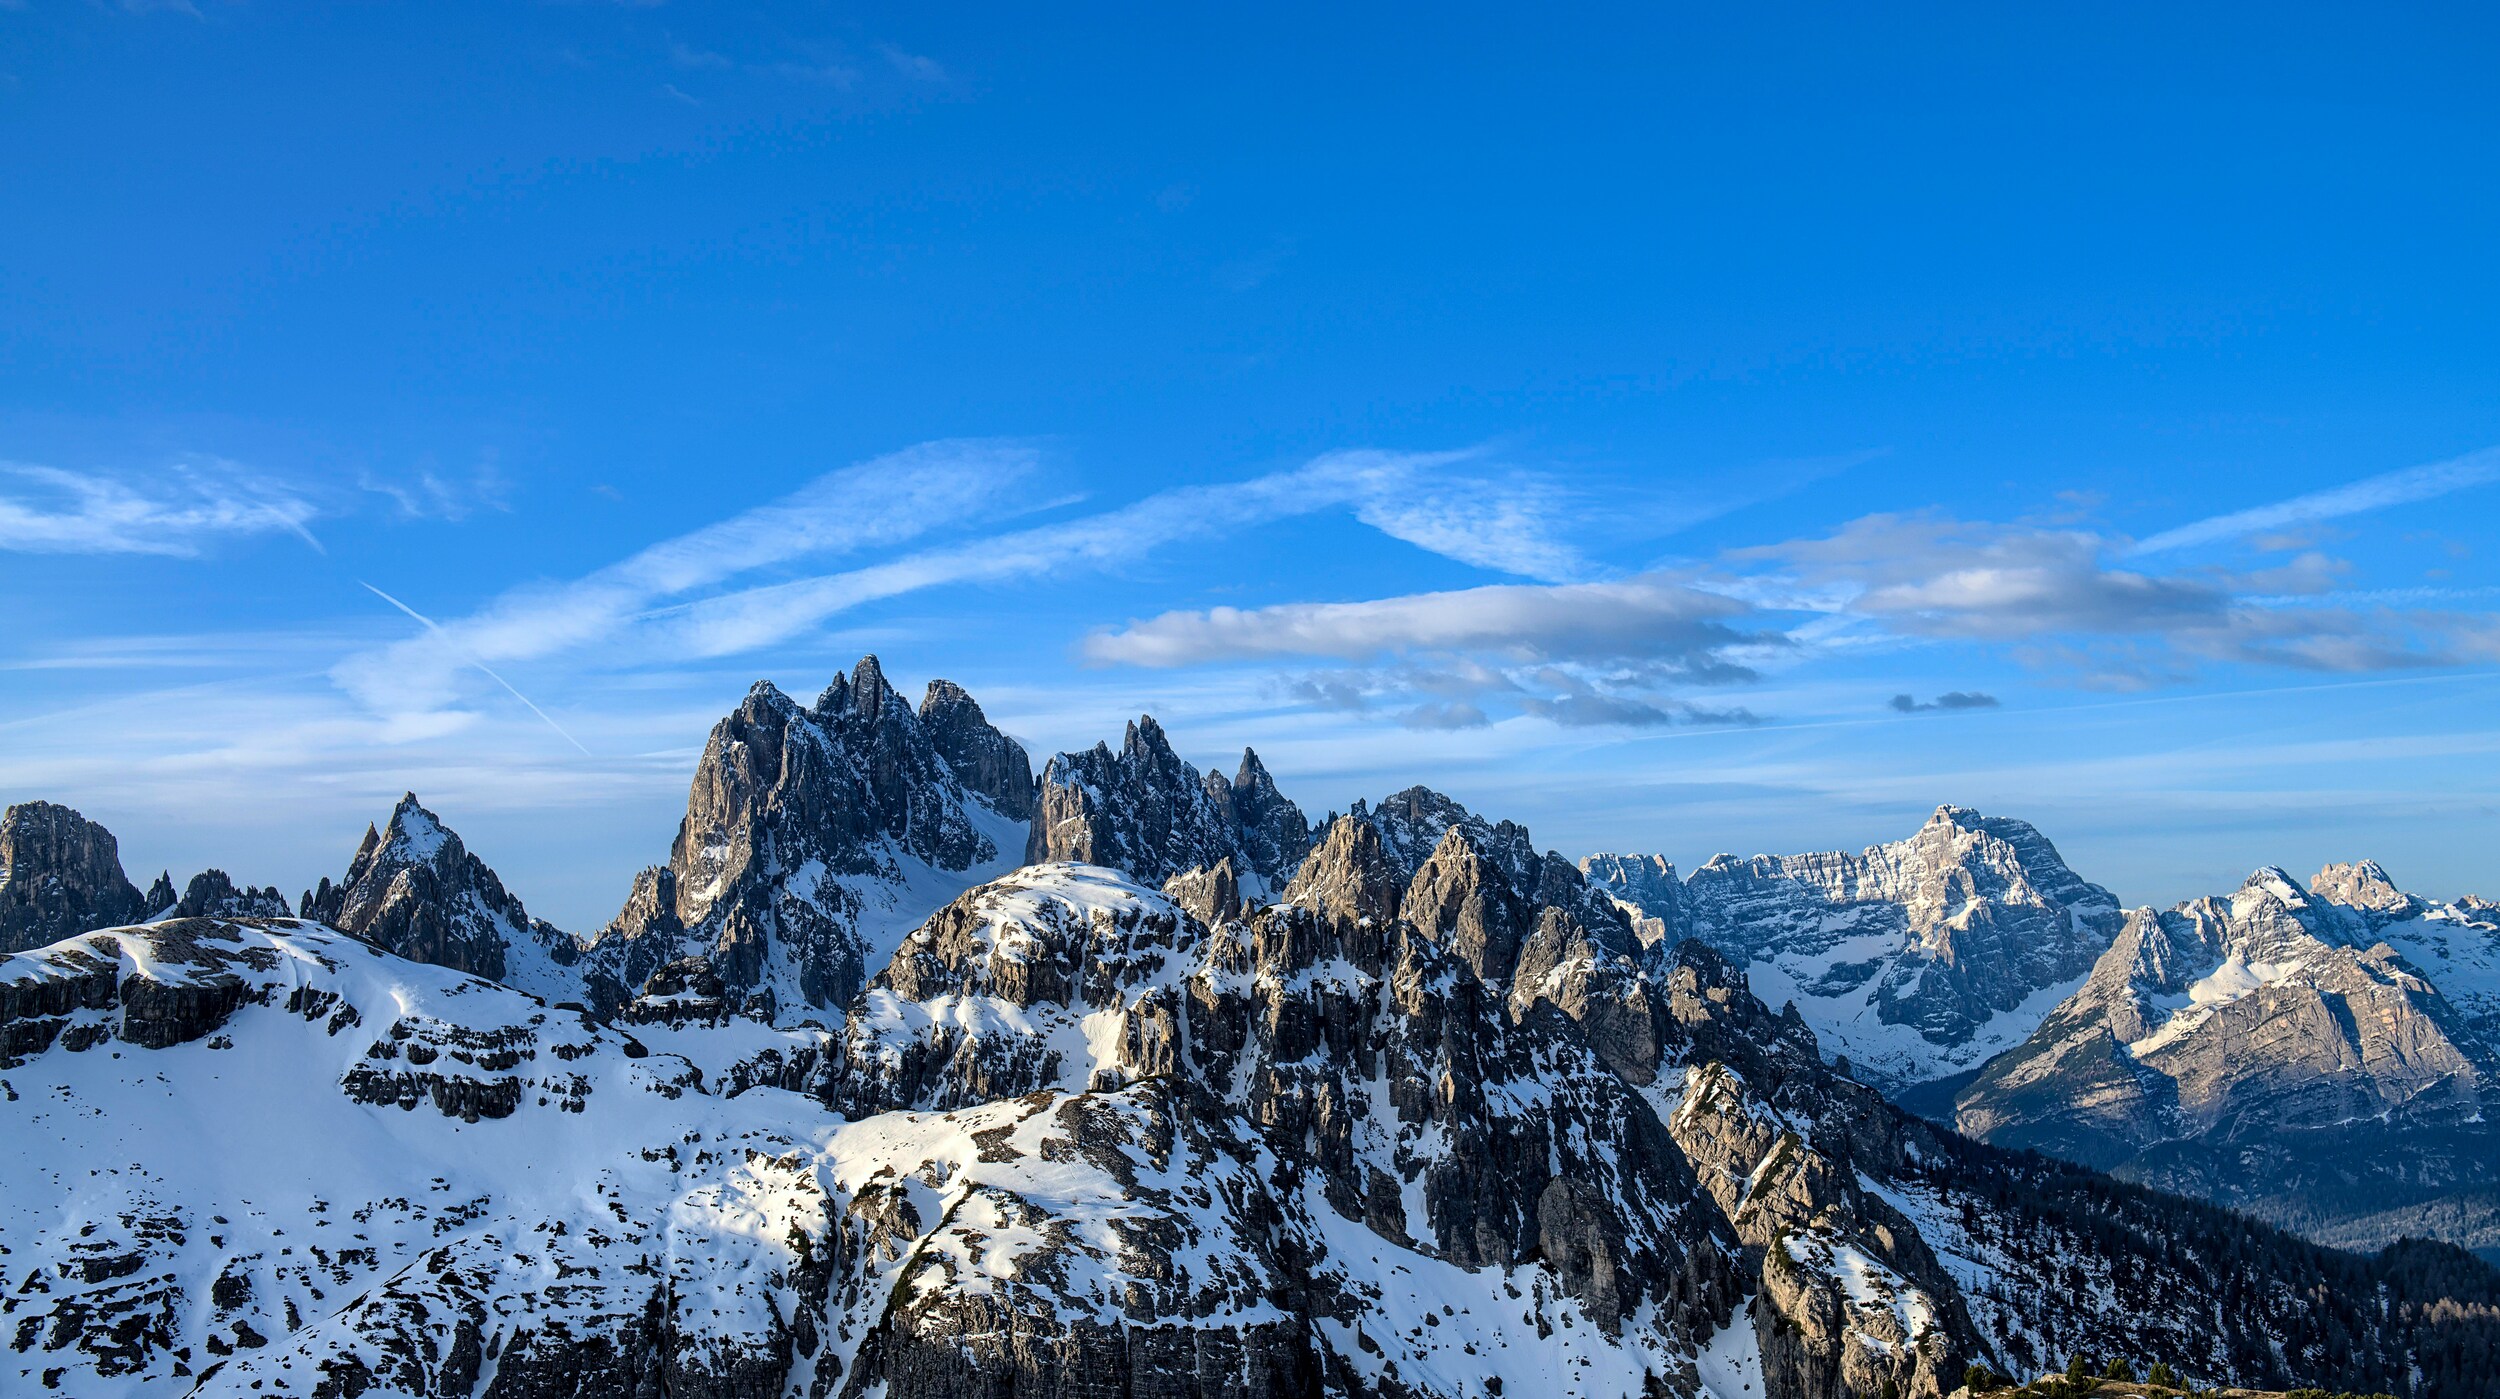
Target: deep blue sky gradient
x,y
499,294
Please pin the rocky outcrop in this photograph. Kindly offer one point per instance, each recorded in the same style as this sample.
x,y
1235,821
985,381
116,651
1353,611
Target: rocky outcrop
x,y
1146,812
60,874
814,838
2263,1050
1393,1091
414,889
1918,959
214,894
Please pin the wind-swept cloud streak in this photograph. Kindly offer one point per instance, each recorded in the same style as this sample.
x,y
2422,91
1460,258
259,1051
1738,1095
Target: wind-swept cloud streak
x,y
884,501
176,515
2376,493
666,600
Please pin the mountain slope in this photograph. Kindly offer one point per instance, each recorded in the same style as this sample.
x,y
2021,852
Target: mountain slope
x,y
1428,1115
1071,1136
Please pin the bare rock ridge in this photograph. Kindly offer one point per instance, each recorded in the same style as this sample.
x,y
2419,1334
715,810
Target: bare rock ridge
x,y
60,874
1917,959
2266,1048
1146,811
816,836
990,765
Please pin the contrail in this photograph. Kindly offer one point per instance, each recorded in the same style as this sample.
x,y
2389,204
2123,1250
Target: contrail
x,y
2391,488
431,626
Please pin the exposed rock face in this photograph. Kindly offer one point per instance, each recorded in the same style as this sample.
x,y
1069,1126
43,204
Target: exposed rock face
x,y
990,765
213,894
1393,1105
1648,888
1274,834
1144,811
1916,959
414,889
2265,1049
60,874
814,838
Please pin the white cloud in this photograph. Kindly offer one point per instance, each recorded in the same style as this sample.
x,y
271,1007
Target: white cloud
x,y
1647,618
2055,594
2376,493
177,514
1509,526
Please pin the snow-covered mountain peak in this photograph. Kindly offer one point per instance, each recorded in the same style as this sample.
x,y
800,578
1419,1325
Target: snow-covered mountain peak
x,y
1915,958
2365,887
414,888
2269,887
415,835
1433,1127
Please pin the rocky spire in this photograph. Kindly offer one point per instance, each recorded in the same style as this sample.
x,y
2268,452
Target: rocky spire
x,y
1274,834
1349,878
1144,811
60,875
414,889
813,836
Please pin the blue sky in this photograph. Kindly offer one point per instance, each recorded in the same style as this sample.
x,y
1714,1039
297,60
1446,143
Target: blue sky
x,y
1602,416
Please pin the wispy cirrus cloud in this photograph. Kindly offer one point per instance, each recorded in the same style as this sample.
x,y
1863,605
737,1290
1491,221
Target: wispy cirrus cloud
x,y
177,512
678,599
2375,493
426,493
884,501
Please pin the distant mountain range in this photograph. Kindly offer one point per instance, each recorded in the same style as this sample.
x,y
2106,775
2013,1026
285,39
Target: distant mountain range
x,y
2318,1057
912,1072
